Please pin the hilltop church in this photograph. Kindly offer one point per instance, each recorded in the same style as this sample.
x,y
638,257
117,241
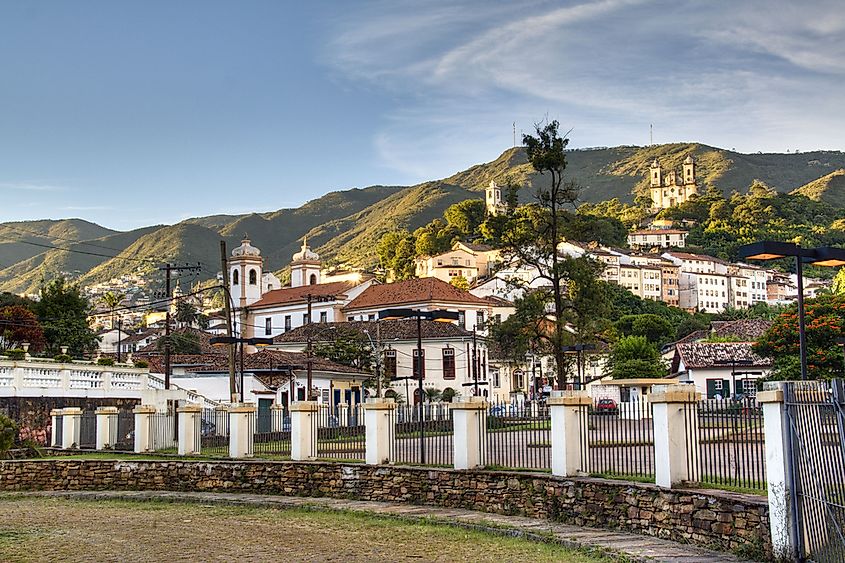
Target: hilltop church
x,y
667,190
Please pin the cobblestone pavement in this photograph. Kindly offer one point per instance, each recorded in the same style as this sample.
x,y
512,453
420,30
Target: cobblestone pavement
x,y
629,546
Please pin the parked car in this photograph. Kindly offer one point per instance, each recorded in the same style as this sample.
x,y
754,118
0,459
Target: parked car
x,y
606,406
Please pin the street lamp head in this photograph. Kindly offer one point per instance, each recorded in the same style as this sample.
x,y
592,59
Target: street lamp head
x,y
220,341
444,316
828,256
396,314
260,342
768,250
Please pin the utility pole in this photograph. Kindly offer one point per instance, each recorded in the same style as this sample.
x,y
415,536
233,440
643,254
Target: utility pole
x,y
119,339
168,269
475,363
227,298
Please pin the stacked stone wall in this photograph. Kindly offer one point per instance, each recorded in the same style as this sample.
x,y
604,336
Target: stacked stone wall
x,y
714,519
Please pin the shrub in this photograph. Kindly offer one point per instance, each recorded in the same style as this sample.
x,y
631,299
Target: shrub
x,y
141,364
8,433
15,354
63,358
105,362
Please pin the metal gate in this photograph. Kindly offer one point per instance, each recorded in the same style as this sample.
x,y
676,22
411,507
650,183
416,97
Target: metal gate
x,y
816,417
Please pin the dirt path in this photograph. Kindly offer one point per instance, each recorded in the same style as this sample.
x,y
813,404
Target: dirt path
x,y
58,529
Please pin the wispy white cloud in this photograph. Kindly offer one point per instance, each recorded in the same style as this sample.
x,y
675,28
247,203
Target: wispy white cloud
x,y
32,187
753,75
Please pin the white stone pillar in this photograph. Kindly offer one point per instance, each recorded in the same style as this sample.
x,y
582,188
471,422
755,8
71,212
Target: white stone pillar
x,y
470,439
303,438
143,436
778,473
189,429
56,415
241,430
106,427
380,427
570,447
71,421
675,419
277,418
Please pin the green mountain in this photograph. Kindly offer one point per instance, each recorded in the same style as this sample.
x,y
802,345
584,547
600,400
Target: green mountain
x,y
830,188
346,225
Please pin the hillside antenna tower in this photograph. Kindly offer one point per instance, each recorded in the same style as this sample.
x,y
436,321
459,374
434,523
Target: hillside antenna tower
x,y
651,135
514,134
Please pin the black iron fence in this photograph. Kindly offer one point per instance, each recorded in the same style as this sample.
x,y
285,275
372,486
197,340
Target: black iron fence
x,y
124,437
271,438
732,448
163,432
423,436
518,436
87,431
620,439
341,433
815,412
214,433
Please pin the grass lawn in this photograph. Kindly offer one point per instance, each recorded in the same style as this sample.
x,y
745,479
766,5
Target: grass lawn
x,y
56,529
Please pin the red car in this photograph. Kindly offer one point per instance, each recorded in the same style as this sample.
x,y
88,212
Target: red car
x,y
606,406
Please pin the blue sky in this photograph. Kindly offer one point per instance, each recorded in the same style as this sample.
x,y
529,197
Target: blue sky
x,y
132,114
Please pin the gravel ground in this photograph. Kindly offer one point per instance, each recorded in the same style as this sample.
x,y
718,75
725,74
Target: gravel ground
x,y
54,529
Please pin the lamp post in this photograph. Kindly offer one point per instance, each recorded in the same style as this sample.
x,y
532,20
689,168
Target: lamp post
x,y
823,256
439,315
578,349
229,340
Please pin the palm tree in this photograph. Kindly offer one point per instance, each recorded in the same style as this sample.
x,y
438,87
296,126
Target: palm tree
x,y
111,300
432,394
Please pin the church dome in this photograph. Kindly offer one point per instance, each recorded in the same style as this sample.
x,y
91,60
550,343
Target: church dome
x,y
305,253
246,249
688,160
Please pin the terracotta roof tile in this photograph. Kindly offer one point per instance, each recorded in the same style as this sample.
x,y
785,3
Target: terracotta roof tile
x,y
417,290
288,295
697,355
389,330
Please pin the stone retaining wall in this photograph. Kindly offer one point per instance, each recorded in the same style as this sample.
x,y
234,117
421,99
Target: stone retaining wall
x,y
714,519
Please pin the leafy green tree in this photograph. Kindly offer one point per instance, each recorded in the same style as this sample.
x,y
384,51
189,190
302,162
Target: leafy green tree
x,y
8,434
654,328
574,296
348,347
460,282
434,238
397,251
8,299
432,394
466,216
825,323
18,325
181,342
186,313
634,357
63,311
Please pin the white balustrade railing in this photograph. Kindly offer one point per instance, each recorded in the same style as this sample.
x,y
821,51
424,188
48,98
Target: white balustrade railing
x,y
41,377
155,382
7,378
85,379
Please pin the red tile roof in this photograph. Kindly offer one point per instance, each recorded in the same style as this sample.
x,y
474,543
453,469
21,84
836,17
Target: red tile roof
x,y
289,295
405,292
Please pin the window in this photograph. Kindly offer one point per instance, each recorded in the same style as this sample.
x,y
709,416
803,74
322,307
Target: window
x,y
418,364
749,387
448,363
479,317
390,363
312,280
324,316
462,319
268,326
494,374
253,277
371,317
305,319
234,277
287,323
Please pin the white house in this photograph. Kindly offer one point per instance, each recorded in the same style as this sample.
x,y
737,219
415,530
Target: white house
x,y
448,352
424,294
720,369
658,238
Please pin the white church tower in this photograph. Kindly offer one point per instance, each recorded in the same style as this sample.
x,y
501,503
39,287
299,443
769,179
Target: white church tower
x,y
305,267
493,199
245,271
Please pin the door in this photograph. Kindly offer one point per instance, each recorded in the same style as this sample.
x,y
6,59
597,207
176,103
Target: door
x,y
264,424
